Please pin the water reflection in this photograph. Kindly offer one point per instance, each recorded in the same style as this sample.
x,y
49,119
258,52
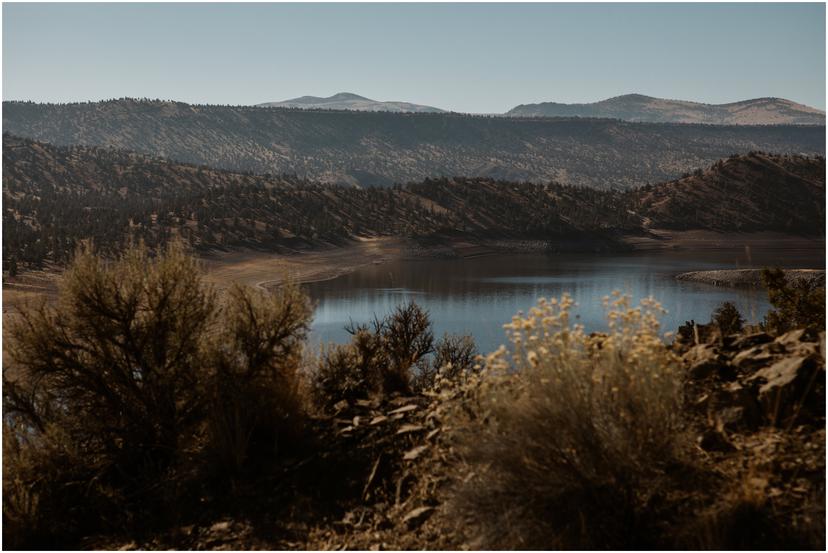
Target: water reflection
x,y
479,295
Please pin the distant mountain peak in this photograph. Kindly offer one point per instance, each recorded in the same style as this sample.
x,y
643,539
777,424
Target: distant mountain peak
x,y
634,96
352,102
348,96
642,108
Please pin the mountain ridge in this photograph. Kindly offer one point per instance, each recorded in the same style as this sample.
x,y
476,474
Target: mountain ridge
x,y
642,108
352,102
380,149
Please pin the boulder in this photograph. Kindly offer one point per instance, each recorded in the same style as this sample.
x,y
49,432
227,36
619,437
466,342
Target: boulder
x,y
792,337
704,361
753,358
788,386
735,407
750,340
799,342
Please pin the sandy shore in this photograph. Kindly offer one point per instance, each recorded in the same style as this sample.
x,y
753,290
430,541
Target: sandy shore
x,y
750,277
264,270
252,268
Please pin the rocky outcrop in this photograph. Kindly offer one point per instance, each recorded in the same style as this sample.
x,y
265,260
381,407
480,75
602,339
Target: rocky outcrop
x,y
750,380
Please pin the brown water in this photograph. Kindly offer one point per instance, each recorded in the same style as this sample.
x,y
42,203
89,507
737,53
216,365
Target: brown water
x,y
479,295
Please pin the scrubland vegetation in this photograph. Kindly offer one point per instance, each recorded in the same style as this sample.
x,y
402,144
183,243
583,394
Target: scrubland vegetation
x,y
375,148
146,410
54,198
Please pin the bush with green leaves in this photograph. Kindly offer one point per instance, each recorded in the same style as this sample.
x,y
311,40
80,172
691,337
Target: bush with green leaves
x,y
727,318
797,304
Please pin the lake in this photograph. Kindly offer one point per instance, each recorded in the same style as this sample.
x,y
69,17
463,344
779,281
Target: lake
x,y
478,295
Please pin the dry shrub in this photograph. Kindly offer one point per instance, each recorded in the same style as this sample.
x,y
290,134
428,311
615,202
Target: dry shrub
x,y
407,339
381,359
257,404
50,493
348,371
567,440
133,376
117,364
453,355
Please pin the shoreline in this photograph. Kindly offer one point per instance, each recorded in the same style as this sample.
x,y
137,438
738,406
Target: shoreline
x,y
257,268
265,270
750,278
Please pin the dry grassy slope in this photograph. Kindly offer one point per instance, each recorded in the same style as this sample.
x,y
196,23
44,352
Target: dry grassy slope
x,y
382,148
748,193
637,107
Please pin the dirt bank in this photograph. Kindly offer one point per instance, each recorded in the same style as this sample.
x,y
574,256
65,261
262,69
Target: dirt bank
x,y
750,277
263,270
658,239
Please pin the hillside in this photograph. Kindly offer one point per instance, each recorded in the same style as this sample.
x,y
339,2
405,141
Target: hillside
x,y
375,148
349,101
55,196
637,107
746,193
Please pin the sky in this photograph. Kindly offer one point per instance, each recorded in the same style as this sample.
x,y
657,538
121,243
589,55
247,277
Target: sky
x,y
479,58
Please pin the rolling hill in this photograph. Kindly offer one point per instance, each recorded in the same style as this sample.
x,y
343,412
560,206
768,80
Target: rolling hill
x,y
754,192
637,107
377,148
53,197
349,101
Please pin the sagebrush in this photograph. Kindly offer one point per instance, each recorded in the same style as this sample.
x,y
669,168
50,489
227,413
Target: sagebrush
x,y
138,375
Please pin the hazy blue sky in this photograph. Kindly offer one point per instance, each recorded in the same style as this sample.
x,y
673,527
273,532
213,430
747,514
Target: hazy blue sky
x,y
465,57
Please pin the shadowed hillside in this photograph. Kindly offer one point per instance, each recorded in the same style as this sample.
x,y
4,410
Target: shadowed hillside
x,y
637,107
54,197
383,148
746,193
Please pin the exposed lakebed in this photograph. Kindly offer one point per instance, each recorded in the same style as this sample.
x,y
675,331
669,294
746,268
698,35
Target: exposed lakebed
x,y
478,295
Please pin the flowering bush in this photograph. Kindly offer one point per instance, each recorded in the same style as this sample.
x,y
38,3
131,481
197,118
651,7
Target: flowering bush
x,y
569,434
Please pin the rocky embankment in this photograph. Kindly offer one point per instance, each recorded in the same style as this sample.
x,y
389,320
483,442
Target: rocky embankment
x,y
751,277
759,404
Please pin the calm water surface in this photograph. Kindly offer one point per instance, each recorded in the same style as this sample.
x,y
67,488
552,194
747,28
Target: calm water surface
x,y
479,295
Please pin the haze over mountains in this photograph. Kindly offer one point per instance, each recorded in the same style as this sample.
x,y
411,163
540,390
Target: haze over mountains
x,y
637,107
380,148
349,101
